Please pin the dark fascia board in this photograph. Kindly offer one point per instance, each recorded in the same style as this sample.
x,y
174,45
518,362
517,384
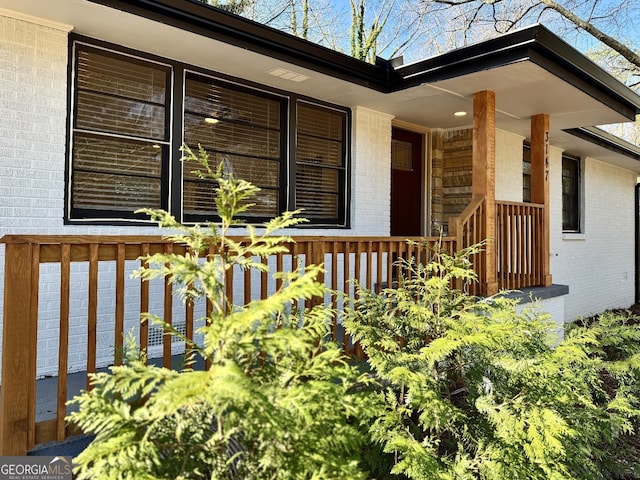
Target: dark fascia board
x,y
197,17
536,44
606,140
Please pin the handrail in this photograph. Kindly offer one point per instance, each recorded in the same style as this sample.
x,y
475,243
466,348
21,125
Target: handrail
x,y
469,229
465,215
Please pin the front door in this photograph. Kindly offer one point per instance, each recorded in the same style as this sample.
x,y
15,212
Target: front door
x,y
406,183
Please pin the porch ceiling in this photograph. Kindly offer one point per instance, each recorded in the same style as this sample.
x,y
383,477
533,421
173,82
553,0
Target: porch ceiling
x,y
523,87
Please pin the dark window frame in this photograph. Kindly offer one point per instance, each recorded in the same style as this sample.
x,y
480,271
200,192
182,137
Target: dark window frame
x,y
73,214
526,172
571,191
172,193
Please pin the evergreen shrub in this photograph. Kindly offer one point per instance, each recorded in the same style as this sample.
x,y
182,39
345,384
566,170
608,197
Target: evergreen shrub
x,y
453,387
279,401
486,390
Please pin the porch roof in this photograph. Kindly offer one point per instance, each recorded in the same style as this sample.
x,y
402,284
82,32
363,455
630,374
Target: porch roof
x,y
531,71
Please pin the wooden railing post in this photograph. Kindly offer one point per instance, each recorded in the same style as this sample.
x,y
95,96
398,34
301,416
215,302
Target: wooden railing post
x,y
540,185
17,395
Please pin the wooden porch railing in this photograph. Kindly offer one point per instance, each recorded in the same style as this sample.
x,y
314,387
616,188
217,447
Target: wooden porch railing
x,y
518,243
83,262
468,229
519,232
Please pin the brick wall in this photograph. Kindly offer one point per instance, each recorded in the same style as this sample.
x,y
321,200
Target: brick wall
x,y
371,174
598,263
32,124
508,166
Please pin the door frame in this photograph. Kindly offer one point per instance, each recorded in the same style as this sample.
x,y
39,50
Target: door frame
x,y
425,182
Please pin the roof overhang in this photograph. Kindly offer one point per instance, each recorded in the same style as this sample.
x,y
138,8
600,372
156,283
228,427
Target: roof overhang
x,y
531,70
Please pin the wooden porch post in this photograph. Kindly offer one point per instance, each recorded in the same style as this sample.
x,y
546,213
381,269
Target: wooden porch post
x,y
540,185
17,393
484,178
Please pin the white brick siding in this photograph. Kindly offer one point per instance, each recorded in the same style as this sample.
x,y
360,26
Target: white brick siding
x,y
371,175
508,166
598,263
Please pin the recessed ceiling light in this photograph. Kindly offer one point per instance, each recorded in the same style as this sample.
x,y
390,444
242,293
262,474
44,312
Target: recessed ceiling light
x,y
460,114
288,75
211,120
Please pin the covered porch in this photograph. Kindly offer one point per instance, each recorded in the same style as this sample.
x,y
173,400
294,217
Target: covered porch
x,y
86,269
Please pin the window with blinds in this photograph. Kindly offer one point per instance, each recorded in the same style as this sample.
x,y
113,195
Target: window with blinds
x,y
132,113
570,194
320,162
120,134
243,130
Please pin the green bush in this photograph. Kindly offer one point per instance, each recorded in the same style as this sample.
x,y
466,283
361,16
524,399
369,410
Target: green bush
x,y
479,390
453,387
278,401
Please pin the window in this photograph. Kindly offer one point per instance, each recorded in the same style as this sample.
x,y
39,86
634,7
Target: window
x,y
320,162
120,135
132,113
242,129
526,173
570,194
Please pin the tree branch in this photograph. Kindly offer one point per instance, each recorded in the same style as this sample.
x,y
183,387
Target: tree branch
x,y
622,49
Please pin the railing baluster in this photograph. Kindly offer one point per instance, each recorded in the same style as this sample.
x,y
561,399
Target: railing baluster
x,y
334,286
92,313
63,343
379,258
369,266
264,277
119,324
144,303
390,251
247,285
33,323
346,340
167,316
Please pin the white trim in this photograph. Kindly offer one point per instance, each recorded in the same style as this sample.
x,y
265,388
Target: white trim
x,y
574,236
36,20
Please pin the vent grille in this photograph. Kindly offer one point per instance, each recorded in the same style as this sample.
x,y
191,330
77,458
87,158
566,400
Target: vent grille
x,y
156,334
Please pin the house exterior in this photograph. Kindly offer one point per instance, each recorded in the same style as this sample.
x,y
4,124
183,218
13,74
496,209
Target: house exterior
x,y
98,96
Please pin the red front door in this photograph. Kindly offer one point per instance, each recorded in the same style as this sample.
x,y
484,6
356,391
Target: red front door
x,y
406,183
